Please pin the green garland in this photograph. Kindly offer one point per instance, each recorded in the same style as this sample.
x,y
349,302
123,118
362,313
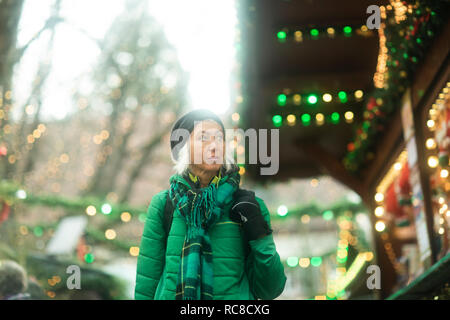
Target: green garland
x,y
12,194
93,236
407,43
299,34
314,210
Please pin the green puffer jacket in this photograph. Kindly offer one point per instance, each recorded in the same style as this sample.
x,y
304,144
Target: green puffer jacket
x,y
259,276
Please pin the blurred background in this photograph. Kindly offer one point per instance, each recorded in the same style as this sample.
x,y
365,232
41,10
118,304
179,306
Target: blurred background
x,y
89,91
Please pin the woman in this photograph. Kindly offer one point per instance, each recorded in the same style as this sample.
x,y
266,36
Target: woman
x,y
220,244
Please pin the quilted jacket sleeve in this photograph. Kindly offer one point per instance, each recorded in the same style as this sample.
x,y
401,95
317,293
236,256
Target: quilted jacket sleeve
x,y
264,268
150,262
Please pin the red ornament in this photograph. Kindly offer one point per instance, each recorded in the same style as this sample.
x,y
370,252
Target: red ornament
x,y
371,104
392,205
351,146
403,185
3,151
81,249
4,214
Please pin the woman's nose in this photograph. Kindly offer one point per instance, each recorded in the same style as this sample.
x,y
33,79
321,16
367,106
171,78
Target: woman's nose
x,y
212,145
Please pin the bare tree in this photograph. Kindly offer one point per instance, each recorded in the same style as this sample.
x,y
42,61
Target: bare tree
x,y
10,55
42,75
138,71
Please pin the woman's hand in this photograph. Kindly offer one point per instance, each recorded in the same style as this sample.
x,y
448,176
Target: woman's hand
x,y
246,211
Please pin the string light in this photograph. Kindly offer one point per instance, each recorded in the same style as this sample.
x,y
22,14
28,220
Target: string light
x,y
379,197
342,96
433,162
312,99
298,36
335,117
282,210
91,211
277,120
400,10
320,119
380,226
110,234
291,119
358,94
304,262
369,256
106,208
125,216
306,119
314,32
430,143
134,251
281,100
281,35
89,258
21,194
381,71
328,215
349,116
347,30
379,211
316,261
305,219
327,97
292,261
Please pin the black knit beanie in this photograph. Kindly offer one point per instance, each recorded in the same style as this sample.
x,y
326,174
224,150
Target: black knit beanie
x,y
188,122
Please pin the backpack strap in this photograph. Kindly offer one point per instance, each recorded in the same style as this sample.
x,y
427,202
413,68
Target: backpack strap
x,y
168,215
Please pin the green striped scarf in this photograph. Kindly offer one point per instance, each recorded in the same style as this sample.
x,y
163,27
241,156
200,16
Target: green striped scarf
x,y
201,208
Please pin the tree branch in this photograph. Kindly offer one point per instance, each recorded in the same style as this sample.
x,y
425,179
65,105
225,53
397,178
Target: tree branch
x,y
50,24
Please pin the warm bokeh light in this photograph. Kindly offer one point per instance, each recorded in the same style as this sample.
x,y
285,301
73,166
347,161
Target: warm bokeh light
x,y
433,161
379,197
327,97
91,211
380,226
110,234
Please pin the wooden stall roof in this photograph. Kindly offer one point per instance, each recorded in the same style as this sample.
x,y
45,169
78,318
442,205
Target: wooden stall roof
x,y
317,66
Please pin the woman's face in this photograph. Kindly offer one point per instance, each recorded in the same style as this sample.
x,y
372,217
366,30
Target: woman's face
x,y
207,146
